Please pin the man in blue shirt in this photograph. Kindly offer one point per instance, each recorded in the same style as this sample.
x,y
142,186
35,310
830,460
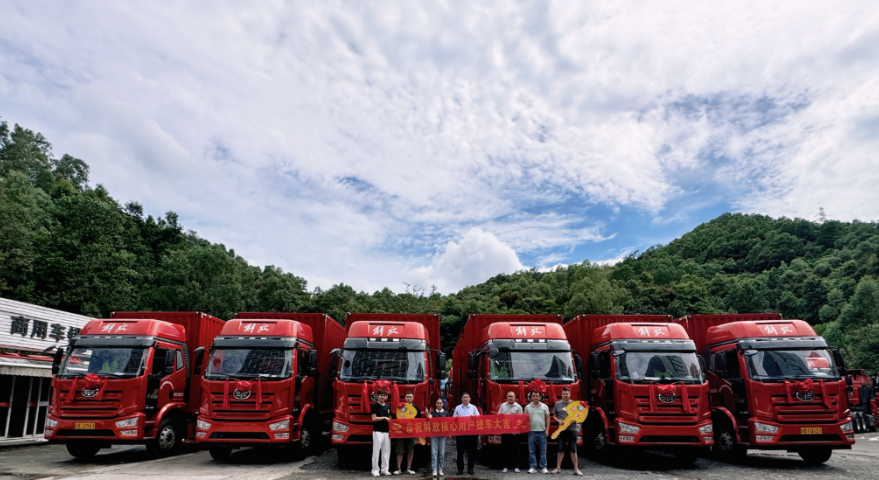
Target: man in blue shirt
x,y
466,443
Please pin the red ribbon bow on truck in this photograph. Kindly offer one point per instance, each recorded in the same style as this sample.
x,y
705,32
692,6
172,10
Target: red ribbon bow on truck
x,y
90,382
807,386
666,390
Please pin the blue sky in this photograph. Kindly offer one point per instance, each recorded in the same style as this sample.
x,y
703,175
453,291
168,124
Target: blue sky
x,y
379,144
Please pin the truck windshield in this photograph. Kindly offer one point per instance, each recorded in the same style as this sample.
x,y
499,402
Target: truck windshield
x,y
791,364
526,366
662,367
249,363
400,365
105,361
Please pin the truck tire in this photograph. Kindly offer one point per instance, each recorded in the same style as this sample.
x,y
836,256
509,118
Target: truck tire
x,y
726,446
168,439
861,424
815,456
220,453
311,437
83,450
595,442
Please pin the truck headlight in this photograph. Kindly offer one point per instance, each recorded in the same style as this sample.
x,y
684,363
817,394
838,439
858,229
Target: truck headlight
x,y
128,432
54,423
762,427
128,422
845,427
625,427
282,425
202,425
706,429
342,428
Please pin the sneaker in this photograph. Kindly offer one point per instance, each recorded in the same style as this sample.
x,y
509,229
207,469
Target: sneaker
x,y
396,472
434,473
375,474
386,473
578,472
545,471
504,471
516,469
409,471
531,470
460,472
554,471
441,473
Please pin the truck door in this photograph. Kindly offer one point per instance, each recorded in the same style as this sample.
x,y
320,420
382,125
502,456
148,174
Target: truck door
x,y
602,382
731,393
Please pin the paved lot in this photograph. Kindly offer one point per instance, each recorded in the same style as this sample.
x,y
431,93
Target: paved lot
x,y
53,462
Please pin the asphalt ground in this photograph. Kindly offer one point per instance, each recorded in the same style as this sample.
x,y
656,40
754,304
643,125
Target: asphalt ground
x,y
53,462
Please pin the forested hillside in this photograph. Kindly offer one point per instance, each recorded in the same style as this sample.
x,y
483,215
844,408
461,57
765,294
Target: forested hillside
x,y
68,245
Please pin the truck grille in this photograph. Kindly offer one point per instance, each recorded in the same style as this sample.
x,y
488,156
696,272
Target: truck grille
x,y
670,413
91,407
242,408
799,411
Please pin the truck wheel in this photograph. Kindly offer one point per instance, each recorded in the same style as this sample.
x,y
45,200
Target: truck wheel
x,y
311,437
168,439
871,423
83,450
220,453
595,442
725,444
815,456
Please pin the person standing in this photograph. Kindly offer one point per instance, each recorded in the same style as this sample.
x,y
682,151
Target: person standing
x,y
438,444
510,441
406,446
568,437
466,443
381,440
538,414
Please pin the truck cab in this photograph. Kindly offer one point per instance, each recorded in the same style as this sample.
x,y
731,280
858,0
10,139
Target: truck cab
x,y
646,386
400,348
776,385
261,384
125,381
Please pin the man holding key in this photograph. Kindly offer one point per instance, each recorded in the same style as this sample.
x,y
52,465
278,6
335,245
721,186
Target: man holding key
x,y
568,436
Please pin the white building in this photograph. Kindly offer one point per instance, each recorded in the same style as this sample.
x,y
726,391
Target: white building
x,y
29,336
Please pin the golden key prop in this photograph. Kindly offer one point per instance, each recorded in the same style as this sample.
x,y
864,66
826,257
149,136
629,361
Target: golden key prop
x,y
407,412
576,413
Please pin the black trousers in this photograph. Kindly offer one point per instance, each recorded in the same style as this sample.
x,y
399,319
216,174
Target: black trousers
x,y
466,443
510,450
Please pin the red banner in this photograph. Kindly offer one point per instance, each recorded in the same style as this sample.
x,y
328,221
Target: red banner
x,y
454,426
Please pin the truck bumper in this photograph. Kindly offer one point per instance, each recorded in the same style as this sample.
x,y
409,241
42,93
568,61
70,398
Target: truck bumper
x,y
665,436
232,434
790,437
102,429
346,433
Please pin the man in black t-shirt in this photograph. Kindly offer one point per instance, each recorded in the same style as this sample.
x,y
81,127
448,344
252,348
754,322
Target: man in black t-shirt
x,y
381,440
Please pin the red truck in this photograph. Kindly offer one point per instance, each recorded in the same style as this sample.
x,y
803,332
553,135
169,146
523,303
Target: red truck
x,y
861,400
499,353
401,348
130,379
775,385
268,383
645,385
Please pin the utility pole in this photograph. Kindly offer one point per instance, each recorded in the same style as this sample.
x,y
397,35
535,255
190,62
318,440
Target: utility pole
x,y
821,216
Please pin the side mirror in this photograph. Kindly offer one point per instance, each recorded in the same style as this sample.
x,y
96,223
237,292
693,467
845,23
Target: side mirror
x,y
848,380
604,364
56,361
334,360
702,365
312,359
169,362
441,365
840,362
492,352
199,358
472,363
578,364
594,360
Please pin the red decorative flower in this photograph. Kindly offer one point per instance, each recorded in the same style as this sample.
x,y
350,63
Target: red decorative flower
x,y
537,385
804,386
92,381
666,389
243,386
381,385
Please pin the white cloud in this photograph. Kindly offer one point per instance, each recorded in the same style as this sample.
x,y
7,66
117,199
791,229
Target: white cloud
x,y
476,258
356,140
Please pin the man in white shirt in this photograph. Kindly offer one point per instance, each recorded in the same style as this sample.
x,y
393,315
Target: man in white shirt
x,y
509,441
466,443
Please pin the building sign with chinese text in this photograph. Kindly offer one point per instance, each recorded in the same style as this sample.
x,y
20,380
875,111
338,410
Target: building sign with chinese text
x,y
24,326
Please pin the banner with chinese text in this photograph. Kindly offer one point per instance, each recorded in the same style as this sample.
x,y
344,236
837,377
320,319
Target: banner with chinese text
x,y
454,426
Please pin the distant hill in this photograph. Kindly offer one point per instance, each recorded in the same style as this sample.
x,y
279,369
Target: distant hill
x,y
66,245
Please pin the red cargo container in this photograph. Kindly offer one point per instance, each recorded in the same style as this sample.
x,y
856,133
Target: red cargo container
x,y
139,388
